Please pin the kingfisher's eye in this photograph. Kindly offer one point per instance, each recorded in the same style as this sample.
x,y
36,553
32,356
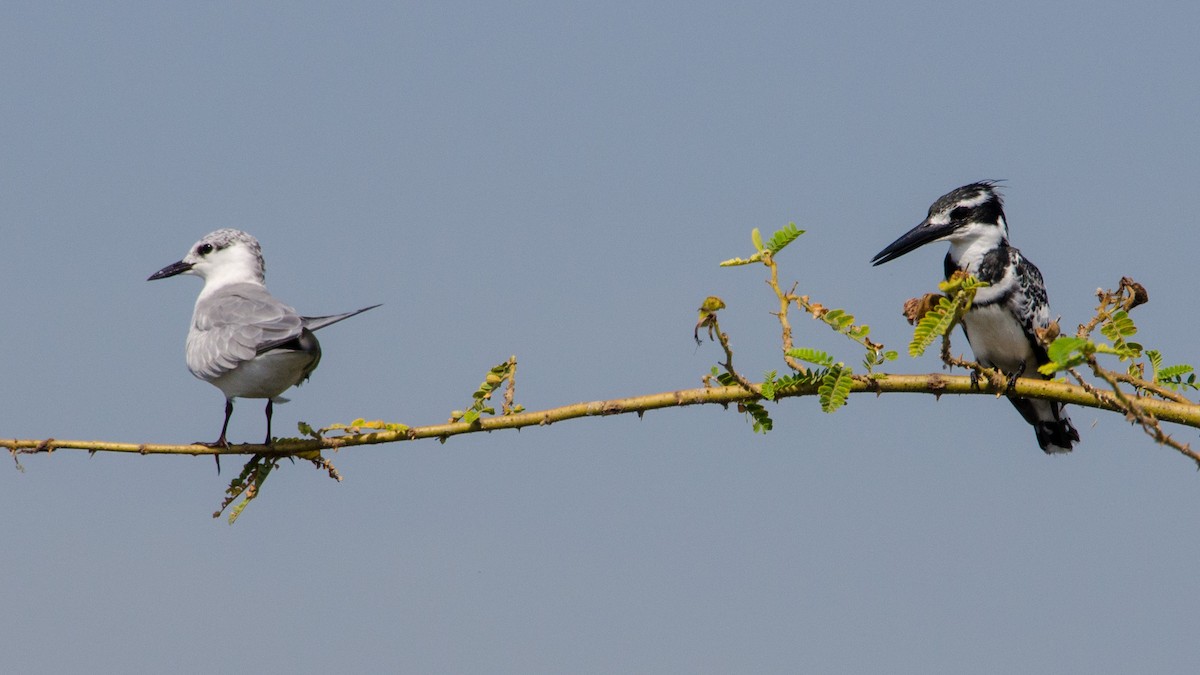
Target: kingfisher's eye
x,y
204,249
960,213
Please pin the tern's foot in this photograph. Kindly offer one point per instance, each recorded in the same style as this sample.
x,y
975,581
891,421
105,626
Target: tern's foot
x,y
975,380
219,443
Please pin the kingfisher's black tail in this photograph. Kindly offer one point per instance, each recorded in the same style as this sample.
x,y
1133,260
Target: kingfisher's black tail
x,y
1054,430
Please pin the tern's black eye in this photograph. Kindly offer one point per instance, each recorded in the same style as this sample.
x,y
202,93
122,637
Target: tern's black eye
x,y
960,213
204,249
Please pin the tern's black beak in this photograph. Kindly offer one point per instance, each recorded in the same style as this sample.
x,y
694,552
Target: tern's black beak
x,y
913,239
171,270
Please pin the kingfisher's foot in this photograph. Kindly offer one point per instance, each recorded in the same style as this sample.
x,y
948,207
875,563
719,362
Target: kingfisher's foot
x,y
1012,379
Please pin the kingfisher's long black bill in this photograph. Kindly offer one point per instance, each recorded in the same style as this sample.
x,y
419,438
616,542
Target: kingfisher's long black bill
x,y
171,270
913,239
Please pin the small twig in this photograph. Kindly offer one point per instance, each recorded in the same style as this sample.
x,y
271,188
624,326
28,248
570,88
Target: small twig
x,y
785,301
1151,387
1101,395
994,377
723,339
510,388
1134,410
1129,294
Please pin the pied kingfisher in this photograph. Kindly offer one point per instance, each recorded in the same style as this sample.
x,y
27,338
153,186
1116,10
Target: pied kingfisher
x,y
1001,322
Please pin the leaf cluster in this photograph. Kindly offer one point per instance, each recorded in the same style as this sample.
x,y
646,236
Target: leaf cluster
x,y
1145,367
496,377
842,322
247,484
759,419
830,380
777,242
358,426
939,319
1172,377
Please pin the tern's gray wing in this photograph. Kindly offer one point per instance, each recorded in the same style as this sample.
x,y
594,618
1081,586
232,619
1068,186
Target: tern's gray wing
x,y
235,324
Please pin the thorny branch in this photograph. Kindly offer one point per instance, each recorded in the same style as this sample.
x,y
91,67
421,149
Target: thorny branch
x,y
1148,405
931,383
1130,294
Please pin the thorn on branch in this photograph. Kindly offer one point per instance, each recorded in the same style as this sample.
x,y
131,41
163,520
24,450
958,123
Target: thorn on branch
x,y
936,386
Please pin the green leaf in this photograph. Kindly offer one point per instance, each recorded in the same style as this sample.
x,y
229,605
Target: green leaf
x,y
813,356
1155,358
960,293
1122,350
1172,372
307,430
835,388
1067,352
762,421
768,386
248,485
783,237
756,239
797,379
936,323
1119,326
1064,346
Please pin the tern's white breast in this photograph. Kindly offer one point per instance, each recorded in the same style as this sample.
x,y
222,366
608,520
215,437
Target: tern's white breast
x,y
266,376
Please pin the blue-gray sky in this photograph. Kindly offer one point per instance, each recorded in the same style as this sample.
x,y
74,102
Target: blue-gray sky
x,y
558,181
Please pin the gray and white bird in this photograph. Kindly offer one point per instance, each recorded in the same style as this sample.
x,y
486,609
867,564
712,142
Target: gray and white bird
x,y
1002,321
243,340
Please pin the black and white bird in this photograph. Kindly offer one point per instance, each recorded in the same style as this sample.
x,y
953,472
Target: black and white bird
x,y
243,340
1002,321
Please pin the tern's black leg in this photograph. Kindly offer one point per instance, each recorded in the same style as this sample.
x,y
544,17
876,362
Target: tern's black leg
x,y
221,442
974,380
270,411
225,427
